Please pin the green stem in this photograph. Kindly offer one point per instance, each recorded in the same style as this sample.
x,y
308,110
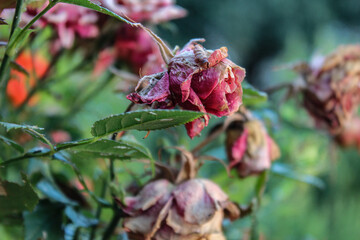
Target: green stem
x,y
47,153
99,209
6,59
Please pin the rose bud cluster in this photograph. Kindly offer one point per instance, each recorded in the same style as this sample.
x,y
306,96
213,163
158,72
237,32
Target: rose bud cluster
x,y
249,148
192,210
68,20
153,11
350,134
19,83
196,79
332,91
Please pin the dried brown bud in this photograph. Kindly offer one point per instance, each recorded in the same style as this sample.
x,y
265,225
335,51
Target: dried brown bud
x,y
250,149
333,88
192,210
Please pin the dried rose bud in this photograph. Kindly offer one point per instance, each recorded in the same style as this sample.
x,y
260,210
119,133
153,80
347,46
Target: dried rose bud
x,y
333,88
250,149
350,134
154,11
68,20
192,210
199,80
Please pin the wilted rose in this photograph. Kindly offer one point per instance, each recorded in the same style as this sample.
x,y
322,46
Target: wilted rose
x,y
333,88
18,86
250,149
196,79
153,11
192,210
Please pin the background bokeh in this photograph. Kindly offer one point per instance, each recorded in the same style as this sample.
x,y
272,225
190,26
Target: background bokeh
x,y
314,188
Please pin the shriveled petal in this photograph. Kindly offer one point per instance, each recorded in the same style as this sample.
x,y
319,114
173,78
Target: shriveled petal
x,y
217,56
239,148
204,82
193,203
151,194
154,88
195,127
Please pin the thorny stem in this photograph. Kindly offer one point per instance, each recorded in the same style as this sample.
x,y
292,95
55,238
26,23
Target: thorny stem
x,y
46,153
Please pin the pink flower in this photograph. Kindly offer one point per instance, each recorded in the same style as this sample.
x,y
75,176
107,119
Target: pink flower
x,y
153,11
250,149
69,21
196,79
191,210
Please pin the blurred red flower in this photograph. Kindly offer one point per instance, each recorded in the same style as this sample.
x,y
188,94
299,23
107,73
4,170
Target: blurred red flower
x,y
19,83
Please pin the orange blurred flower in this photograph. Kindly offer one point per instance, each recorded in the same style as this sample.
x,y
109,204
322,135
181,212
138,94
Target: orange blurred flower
x,y
20,83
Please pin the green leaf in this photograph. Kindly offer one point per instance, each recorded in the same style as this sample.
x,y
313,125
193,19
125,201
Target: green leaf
x,y
51,191
17,198
66,145
143,120
78,219
286,171
12,144
10,126
15,42
252,96
93,6
28,129
45,220
114,149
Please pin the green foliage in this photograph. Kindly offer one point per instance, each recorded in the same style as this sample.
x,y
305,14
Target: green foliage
x,y
252,96
16,198
123,150
144,120
44,222
11,143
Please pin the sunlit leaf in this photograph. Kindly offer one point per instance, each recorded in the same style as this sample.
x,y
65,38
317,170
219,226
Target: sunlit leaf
x,y
143,120
252,96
